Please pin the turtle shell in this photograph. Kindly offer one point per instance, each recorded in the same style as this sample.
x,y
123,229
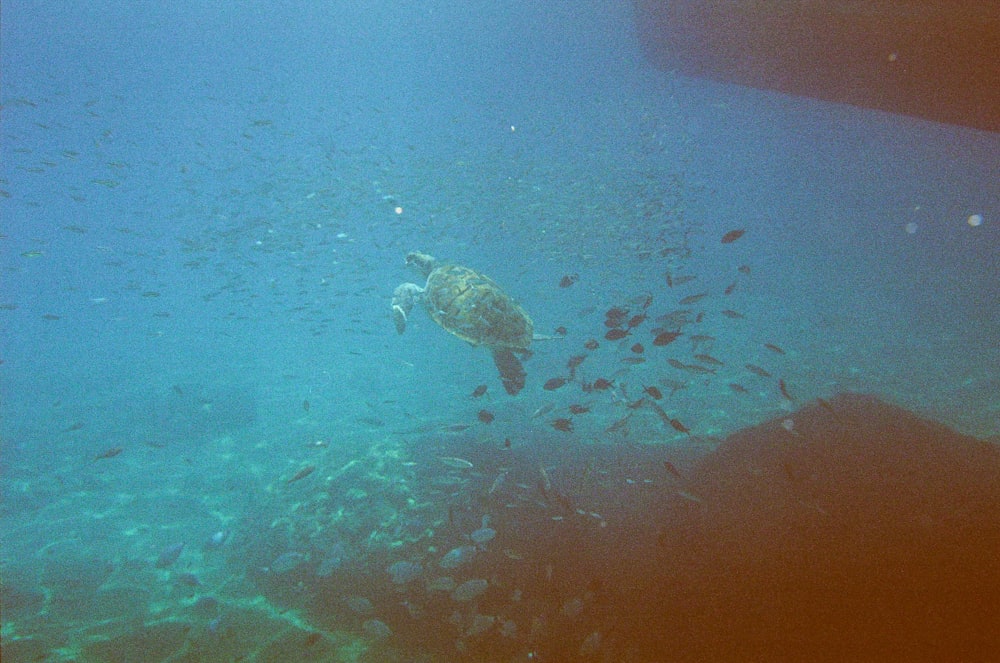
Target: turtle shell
x,y
474,308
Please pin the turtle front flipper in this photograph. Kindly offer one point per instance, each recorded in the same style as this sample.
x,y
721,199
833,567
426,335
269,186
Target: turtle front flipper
x,y
402,303
511,371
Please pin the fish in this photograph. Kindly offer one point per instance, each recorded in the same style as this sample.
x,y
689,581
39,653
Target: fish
x,y
638,349
774,348
665,338
698,339
404,571
618,425
169,555
673,385
109,453
457,557
784,390
575,361
498,481
456,463
615,312
730,289
454,428
732,236
636,320
469,590
32,254
591,344
673,281
483,535
690,368
563,424
691,497
305,405
615,334
302,474
554,383
542,409
545,485
485,416
217,540
691,299
578,409
757,370
669,467
743,269
674,423
568,280
653,392
287,562
673,320
479,391
633,360
708,359
189,580
738,388
679,427
660,412
735,315
601,384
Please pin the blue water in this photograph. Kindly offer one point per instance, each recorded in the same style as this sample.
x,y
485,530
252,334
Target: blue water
x,y
206,208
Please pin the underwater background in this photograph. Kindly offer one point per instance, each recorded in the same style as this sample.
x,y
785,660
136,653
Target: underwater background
x,y
760,419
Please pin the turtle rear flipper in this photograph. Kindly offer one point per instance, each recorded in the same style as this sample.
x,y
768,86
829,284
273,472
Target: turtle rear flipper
x,y
511,371
399,317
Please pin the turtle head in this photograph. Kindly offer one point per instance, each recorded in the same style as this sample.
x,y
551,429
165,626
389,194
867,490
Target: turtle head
x,y
421,261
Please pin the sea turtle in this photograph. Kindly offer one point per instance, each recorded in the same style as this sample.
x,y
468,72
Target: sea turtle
x,y
472,307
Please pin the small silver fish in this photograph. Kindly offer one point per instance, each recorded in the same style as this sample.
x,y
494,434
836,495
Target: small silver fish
x,y
457,463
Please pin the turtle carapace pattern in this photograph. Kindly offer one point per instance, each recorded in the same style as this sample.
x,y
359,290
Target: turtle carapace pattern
x,y
472,307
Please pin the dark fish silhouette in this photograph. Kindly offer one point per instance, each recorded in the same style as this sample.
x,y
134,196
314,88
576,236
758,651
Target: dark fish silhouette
x,y
665,338
669,467
302,474
732,236
565,425
553,384
568,280
110,453
691,299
